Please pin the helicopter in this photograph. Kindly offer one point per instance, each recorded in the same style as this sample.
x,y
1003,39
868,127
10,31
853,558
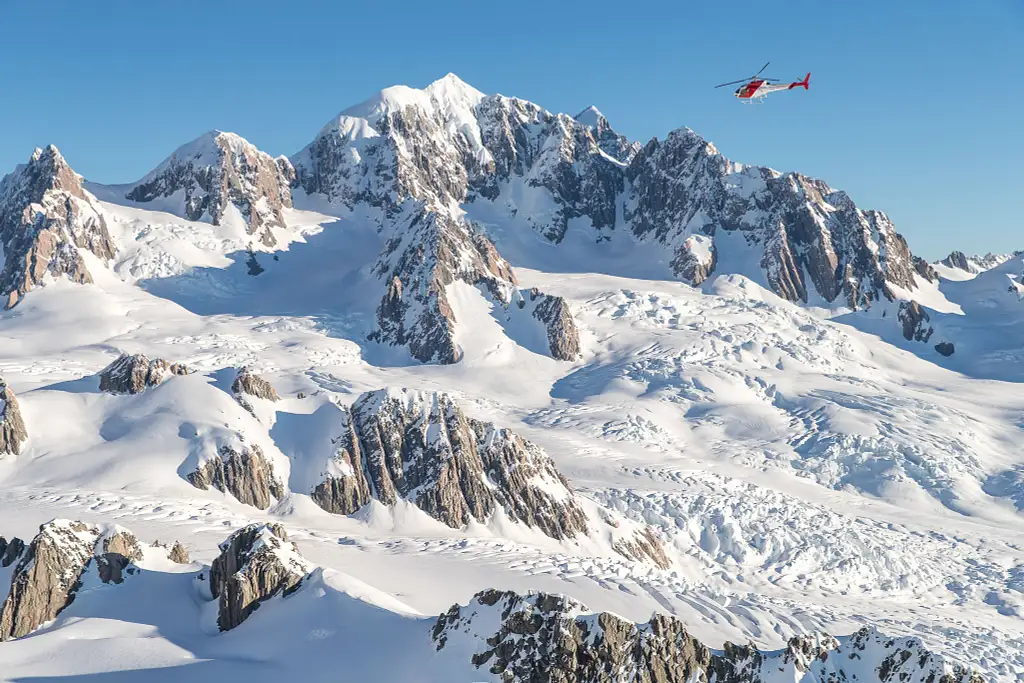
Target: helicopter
x,y
757,87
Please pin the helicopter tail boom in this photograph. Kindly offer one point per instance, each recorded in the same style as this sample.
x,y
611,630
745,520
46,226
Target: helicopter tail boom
x,y
805,83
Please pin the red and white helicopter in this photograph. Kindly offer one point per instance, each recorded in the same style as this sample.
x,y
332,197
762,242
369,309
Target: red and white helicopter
x,y
757,87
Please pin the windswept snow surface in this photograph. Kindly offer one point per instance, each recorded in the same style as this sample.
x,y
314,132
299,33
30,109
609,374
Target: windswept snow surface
x,y
804,474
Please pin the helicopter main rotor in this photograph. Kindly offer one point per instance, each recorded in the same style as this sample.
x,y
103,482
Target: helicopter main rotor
x,y
752,78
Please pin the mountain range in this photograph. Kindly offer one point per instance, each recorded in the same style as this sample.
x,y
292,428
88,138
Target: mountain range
x,y
461,350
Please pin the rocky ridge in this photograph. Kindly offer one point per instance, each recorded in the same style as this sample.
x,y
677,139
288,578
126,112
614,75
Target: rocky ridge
x,y
133,374
241,470
204,178
46,220
51,569
546,638
12,426
421,447
976,264
256,563
449,144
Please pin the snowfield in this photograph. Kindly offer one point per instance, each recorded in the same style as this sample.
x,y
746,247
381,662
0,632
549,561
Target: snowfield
x,y
806,468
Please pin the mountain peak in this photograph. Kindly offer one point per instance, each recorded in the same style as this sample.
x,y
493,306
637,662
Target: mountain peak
x,y
451,87
591,116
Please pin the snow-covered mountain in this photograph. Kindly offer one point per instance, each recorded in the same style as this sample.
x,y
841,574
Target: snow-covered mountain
x,y
462,356
219,177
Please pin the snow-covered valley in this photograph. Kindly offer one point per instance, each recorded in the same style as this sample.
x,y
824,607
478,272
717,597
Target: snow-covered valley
x,y
643,377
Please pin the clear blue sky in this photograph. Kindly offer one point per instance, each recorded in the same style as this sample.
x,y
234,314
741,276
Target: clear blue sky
x,y
916,106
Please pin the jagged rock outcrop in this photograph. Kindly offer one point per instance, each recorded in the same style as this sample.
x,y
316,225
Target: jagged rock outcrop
x,y
976,264
925,269
945,348
545,638
343,488
249,383
133,374
423,448
46,220
914,320
244,472
255,563
563,334
50,571
10,551
809,236
431,250
175,553
12,426
221,170
398,444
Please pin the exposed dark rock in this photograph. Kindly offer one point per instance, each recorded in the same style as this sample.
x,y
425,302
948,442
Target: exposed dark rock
x,y
432,250
222,169
958,259
10,551
46,218
175,553
244,472
945,348
249,383
114,553
405,445
344,487
12,426
49,573
543,638
554,313
133,374
925,269
256,563
915,322
423,447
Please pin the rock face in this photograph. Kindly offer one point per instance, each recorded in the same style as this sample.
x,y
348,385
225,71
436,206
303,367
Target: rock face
x,y
49,573
10,551
244,472
255,563
133,374
248,385
563,335
545,638
178,554
915,322
175,553
46,220
12,426
401,445
976,264
431,250
421,447
217,172
344,487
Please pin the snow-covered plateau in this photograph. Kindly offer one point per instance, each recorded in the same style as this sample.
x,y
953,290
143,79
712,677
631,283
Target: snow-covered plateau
x,y
466,390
